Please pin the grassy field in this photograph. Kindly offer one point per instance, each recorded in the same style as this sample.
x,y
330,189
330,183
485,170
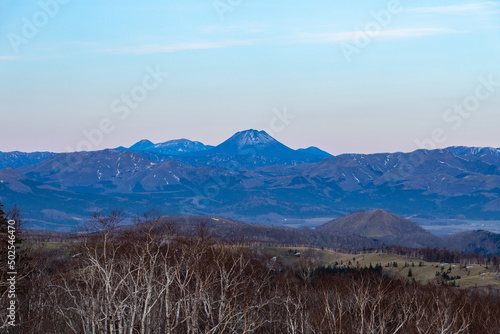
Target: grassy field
x,y
423,271
51,245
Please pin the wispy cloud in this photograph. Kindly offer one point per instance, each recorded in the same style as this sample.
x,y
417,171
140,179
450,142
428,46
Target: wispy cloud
x,y
349,36
250,29
7,58
416,32
456,8
158,48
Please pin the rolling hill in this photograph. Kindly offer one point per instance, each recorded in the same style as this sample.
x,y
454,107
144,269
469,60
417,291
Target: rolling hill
x,y
482,242
381,225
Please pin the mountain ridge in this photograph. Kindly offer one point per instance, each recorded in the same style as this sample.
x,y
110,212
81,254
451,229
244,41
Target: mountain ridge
x,y
315,150
17,159
435,183
171,147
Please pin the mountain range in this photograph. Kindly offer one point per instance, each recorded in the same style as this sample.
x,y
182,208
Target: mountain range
x,y
171,147
248,149
251,177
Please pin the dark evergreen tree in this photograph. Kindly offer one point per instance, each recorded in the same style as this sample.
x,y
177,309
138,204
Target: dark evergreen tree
x,y
3,244
11,234
3,232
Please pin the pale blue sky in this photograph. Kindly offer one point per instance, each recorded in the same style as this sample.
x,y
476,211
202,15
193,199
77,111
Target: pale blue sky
x,y
232,64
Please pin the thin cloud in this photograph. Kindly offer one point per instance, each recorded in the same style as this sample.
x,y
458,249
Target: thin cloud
x,y
455,9
349,36
7,58
231,29
416,32
157,48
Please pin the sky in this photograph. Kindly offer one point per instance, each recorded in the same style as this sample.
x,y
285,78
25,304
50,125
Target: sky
x,y
346,76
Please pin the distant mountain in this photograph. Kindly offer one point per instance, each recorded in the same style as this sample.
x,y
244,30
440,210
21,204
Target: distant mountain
x,y
142,145
44,206
315,150
248,149
179,146
482,242
113,171
18,159
88,171
171,147
63,201
256,143
464,150
229,161
14,180
381,225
